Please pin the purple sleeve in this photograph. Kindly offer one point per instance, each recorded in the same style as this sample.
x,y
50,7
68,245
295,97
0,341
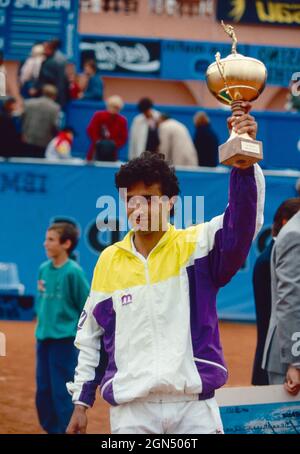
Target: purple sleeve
x,y
235,230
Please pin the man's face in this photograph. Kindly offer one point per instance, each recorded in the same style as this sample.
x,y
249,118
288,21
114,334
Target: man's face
x,y
88,70
53,247
48,49
147,209
113,109
70,135
148,114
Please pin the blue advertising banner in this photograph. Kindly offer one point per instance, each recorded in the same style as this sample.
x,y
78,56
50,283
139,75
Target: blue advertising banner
x,y
180,60
278,418
259,410
122,56
189,60
263,12
33,195
24,23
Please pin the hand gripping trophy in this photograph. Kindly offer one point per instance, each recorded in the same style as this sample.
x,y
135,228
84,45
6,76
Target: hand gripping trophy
x,y
234,80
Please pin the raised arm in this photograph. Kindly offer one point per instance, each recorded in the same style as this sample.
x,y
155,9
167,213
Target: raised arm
x,y
230,235
227,238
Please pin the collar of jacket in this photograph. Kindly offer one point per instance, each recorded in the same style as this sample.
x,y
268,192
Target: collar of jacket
x,y
125,244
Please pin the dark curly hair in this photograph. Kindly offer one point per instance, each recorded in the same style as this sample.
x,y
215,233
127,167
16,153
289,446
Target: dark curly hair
x,y
149,168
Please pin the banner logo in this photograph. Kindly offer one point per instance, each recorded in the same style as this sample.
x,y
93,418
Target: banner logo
x,y
133,57
238,10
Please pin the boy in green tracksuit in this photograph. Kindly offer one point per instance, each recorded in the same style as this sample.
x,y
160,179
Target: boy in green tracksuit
x,y
62,292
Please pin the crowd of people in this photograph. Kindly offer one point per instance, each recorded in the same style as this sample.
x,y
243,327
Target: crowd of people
x,y
152,131
48,65
47,82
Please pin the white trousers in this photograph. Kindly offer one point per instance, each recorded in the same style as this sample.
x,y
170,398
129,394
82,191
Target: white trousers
x,y
194,417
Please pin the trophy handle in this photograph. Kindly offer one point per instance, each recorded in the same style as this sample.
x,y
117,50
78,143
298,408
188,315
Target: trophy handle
x,y
221,69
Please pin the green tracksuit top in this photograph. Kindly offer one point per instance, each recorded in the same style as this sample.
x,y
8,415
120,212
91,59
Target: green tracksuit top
x,y
62,293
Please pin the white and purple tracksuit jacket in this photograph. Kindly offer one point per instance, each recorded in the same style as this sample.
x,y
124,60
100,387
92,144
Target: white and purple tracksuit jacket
x,y
150,325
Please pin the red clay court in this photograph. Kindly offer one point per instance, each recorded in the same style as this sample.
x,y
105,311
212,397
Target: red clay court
x,y
17,375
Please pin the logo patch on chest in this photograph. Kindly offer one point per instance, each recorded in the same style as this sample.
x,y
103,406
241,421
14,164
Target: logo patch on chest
x,y
126,299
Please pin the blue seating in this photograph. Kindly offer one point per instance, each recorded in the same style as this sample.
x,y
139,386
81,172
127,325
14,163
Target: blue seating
x,y
9,280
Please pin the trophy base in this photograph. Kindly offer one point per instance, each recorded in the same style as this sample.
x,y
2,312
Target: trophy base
x,y
240,152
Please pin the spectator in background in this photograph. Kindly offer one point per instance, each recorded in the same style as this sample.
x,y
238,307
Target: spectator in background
x,y
74,255
40,122
262,287
2,66
144,130
53,72
297,186
163,6
3,70
108,131
293,98
10,106
59,57
30,71
62,292
176,143
61,146
74,86
281,354
206,141
10,140
94,88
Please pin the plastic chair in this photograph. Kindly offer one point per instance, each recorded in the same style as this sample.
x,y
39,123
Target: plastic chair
x,y
9,280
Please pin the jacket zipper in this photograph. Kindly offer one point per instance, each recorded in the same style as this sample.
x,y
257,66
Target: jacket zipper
x,y
153,322
210,362
154,326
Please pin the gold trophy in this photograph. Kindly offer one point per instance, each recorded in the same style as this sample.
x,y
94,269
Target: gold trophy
x,y
233,80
